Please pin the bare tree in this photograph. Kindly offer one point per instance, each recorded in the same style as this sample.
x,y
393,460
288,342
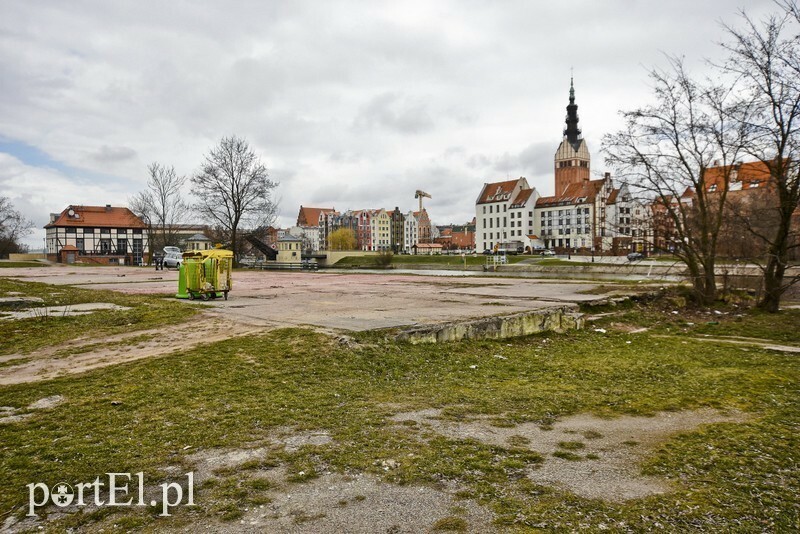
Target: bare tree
x,y
161,206
663,153
13,227
233,189
765,57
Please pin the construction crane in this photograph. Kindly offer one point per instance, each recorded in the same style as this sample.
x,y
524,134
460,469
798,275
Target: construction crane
x,y
420,195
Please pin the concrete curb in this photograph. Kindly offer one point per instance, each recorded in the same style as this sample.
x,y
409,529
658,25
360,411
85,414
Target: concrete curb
x,y
557,320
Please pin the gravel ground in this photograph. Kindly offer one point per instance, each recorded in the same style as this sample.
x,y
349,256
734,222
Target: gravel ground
x,y
607,452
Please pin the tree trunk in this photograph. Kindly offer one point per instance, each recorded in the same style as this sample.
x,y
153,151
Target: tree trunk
x,y
773,285
233,246
776,267
710,289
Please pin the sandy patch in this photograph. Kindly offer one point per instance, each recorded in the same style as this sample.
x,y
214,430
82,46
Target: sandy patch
x,y
61,311
336,503
606,453
51,362
9,414
331,503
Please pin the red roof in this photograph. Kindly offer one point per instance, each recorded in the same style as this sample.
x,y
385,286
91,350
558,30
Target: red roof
x,y
97,217
586,190
310,216
522,197
497,191
751,175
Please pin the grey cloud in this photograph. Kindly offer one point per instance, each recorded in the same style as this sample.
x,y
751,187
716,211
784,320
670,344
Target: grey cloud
x,y
351,103
396,113
113,154
537,158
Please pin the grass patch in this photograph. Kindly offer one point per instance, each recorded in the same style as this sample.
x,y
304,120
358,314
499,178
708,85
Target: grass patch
x,y
782,326
450,524
571,445
240,392
21,264
26,335
567,455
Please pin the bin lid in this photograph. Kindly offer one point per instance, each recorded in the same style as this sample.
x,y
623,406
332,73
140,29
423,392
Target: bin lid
x,y
213,253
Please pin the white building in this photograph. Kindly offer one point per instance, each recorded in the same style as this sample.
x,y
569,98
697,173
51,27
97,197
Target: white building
x,y
410,231
504,214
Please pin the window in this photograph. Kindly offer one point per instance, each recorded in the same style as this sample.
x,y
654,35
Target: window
x,y
105,246
70,230
504,208
484,210
530,214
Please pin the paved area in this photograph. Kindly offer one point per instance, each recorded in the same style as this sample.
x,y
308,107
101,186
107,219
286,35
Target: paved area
x,y
340,301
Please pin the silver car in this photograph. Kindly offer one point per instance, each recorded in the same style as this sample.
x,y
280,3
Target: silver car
x,y
173,260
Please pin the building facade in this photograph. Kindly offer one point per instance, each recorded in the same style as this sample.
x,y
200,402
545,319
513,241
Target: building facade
x,y
97,234
505,215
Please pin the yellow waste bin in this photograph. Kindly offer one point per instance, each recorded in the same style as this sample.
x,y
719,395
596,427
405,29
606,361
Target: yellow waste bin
x,y
205,274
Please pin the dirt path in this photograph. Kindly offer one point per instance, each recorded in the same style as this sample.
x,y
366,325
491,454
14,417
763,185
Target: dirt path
x,y
84,354
736,340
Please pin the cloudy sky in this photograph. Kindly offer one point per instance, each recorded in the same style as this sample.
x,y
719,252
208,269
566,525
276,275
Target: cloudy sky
x,y
349,104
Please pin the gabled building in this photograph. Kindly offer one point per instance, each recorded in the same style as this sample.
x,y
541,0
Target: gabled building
x,y
504,214
398,230
424,231
97,234
310,227
380,230
410,232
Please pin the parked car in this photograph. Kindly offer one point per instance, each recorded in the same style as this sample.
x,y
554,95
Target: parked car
x,y
635,256
547,253
487,252
173,260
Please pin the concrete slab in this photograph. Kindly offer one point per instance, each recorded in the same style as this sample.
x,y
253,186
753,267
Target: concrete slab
x,y
347,301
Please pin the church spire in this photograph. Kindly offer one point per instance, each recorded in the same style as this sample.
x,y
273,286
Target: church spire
x,y
572,133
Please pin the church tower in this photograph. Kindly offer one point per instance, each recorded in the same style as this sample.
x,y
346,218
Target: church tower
x,y
572,157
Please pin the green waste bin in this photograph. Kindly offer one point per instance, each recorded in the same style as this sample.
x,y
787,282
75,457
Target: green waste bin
x,y
205,274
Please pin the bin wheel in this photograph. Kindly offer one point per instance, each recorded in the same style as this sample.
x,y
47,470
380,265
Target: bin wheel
x,y
191,295
226,295
204,296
